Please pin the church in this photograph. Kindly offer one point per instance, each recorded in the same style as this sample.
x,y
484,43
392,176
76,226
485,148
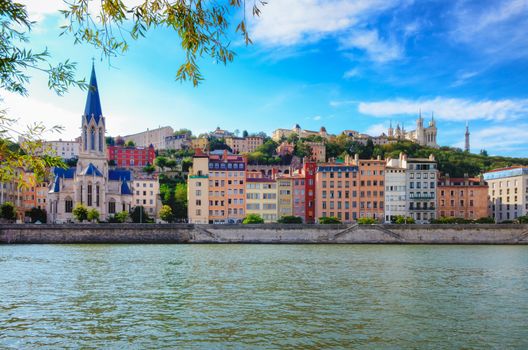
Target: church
x,y
91,182
424,136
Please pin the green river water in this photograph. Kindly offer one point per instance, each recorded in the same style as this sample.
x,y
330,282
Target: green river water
x,y
263,296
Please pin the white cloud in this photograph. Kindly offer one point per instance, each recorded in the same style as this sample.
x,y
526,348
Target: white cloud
x,y
317,117
453,109
351,73
377,49
498,139
376,129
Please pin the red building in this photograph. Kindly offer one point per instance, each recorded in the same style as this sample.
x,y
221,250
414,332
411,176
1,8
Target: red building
x,y
308,170
127,157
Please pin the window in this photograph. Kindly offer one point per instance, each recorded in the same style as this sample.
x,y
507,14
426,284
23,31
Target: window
x,y
97,195
68,205
111,206
90,194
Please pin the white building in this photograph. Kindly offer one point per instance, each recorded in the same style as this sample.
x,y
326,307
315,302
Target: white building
x,y
146,194
395,189
424,136
155,137
508,192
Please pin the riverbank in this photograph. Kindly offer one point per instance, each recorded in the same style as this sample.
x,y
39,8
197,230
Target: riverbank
x,y
266,233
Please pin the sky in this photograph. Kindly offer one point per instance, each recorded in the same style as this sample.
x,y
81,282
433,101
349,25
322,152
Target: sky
x,y
356,64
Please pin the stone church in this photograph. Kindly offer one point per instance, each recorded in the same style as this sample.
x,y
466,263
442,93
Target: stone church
x,y
424,136
91,182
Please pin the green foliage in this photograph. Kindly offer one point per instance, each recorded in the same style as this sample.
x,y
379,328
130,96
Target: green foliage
x,y
161,162
8,211
218,144
400,219
290,219
139,215
329,220
174,194
130,143
93,215
111,162
149,169
302,150
72,162
366,221
166,213
522,219
183,132
451,220
37,214
245,133
119,217
110,141
80,212
485,220
253,219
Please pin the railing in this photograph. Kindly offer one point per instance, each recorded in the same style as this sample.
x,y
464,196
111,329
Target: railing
x,y
421,197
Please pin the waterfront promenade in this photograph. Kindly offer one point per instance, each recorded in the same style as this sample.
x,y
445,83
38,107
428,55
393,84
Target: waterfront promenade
x,y
264,233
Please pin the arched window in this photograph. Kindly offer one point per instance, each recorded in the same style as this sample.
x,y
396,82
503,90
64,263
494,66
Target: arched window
x,y
97,195
85,139
90,195
92,139
111,206
68,205
100,139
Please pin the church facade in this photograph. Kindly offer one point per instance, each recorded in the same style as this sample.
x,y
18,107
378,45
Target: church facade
x,y
91,182
424,136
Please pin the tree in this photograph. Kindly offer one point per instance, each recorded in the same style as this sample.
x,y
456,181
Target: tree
x,y
80,212
8,211
400,219
93,215
139,215
329,220
130,143
166,213
218,144
37,214
149,169
290,219
245,134
161,162
253,219
110,141
485,220
522,219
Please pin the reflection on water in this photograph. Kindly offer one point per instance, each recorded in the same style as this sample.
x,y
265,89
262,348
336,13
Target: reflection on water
x,y
263,296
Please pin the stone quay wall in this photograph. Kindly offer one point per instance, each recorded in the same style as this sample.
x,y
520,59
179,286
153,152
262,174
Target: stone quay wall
x,y
265,233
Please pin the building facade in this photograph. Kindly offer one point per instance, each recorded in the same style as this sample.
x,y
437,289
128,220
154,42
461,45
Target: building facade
x,y
244,144
146,194
465,198
130,157
422,135
278,134
177,142
422,175
200,143
261,198
508,192
285,195
395,190
154,137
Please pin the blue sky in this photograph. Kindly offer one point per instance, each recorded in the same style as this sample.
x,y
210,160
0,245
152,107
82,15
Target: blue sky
x,y
342,64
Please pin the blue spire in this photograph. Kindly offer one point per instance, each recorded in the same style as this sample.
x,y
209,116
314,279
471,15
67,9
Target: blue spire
x,y
93,103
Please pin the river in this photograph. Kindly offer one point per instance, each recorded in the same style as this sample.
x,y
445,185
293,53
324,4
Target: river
x,y
263,296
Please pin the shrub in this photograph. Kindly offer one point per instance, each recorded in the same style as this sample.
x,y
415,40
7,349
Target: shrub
x,y
253,219
122,216
366,221
400,219
93,215
139,215
485,220
166,213
329,220
450,220
8,211
522,219
80,212
290,219
37,214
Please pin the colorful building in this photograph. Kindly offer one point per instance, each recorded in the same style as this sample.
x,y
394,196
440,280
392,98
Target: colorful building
x,y
465,198
244,144
261,198
200,143
224,201
318,151
285,195
130,157
371,181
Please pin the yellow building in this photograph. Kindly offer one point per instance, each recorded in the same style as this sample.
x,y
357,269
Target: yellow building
x,y
285,196
198,190
261,198
201,143
244,144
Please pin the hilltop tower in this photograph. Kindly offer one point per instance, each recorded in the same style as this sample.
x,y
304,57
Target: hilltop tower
x,y
466,147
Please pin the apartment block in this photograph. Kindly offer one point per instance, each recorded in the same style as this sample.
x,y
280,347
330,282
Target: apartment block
x,y
508,192
217,186
130,157
371,189
154,137
285,196
244,144
146,194
422,175
200,143
465,198
395,190
261,198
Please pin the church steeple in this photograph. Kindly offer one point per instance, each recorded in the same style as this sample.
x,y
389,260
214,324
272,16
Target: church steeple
x,y
93,103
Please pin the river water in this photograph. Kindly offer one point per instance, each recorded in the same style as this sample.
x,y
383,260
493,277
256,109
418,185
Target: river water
x,y
263,296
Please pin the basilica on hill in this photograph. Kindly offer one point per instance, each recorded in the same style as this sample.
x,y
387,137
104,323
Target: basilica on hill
x,y
424,136
91,182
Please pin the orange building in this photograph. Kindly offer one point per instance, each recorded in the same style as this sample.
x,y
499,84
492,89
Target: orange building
x,y
351,189
462,198
217,184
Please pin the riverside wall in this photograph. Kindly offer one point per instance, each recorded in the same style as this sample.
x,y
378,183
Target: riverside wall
x,y
266,233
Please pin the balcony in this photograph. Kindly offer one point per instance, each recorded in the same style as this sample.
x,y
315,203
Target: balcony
x,y
422,198
198,176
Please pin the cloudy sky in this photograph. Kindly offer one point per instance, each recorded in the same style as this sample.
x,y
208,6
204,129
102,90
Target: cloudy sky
x,y
354,64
